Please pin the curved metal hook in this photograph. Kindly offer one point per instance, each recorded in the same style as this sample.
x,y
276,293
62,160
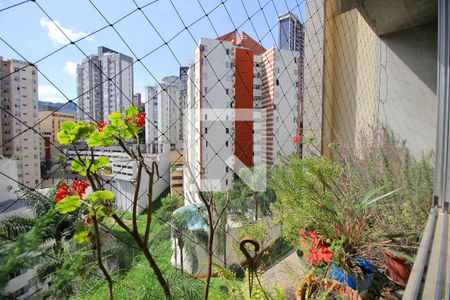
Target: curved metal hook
x,y
250,259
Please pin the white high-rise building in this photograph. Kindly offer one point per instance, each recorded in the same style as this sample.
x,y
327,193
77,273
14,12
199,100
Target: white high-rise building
x,y
164,106
19,99
252,114
104,84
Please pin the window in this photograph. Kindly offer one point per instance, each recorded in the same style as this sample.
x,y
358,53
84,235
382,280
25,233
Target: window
x,y
206,143
205,48
295,60
226,181
277,82
228,51
206,130
226,143
205,89
227,91
206,117
229,78
227,130
228,65
204,62
257,87
226,169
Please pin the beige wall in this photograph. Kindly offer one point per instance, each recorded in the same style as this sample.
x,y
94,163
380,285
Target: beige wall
x,y
355,79
350,79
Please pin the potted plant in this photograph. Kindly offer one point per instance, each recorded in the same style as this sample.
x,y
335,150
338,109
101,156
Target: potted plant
x,y
316,193
318,287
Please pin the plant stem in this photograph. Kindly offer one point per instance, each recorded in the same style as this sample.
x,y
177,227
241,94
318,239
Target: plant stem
x,y
210,250
136,196
99,257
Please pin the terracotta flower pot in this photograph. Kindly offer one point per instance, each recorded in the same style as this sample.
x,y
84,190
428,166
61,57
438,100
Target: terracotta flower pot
x,y
398,269
337,288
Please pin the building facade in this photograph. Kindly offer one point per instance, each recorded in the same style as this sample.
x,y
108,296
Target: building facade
x,y
243,105
104,84
19,99
49,125
291,32
164,106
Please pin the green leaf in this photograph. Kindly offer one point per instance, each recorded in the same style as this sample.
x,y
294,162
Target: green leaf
x,y
95,139
131,111
63,138
101,195
68,204
114,116
101,162
67,125
81,233
80,166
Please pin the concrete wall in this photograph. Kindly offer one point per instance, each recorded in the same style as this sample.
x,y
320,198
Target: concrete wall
x,y
407,100
8,183
364,80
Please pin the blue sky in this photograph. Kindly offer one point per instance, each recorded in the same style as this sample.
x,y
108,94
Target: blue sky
x,y
30,32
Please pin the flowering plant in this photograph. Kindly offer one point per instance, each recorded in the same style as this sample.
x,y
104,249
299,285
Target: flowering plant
x,y
318,252
93,208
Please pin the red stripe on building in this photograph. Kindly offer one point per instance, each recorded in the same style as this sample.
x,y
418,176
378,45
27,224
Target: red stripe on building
x,y
244,100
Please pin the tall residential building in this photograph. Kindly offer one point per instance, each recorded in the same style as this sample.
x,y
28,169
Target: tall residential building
x,y
137,99
164,106
49,125
104,84
291,32
151,121
251,114
19,99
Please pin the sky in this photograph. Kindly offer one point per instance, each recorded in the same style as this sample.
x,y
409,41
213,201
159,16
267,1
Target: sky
x,y
27,33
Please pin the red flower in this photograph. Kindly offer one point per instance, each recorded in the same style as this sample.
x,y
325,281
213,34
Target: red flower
x,y
61,192
313,258
141,119
315,238
296,138
101,125
324,254
79,187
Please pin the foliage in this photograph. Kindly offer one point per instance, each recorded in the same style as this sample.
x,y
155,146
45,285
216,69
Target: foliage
x,y
316,193
168,205
18,253
97,207
239,290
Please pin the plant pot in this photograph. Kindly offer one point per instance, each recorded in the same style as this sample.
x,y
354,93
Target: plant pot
x,y
355,281
337,288
398,269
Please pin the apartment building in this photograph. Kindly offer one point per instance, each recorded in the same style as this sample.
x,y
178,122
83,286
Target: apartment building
x,y
164,106
49,125
104,84
19,99
123,175
176,173
243,109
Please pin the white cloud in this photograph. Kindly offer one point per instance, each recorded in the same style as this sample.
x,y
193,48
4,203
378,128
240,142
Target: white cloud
x,y
50,93
70,67
55,34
